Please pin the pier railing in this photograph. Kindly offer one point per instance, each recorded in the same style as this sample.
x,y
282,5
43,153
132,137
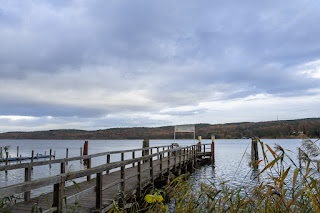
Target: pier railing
x,y
84,157
179,155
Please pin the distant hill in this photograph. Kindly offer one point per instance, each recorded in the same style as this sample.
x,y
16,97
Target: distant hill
x,y
270,129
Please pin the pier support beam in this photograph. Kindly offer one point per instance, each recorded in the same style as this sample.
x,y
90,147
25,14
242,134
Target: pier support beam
x,y
199,143
50,158
99,192
212,149
27,177
145,144
58,196
85,152
254,152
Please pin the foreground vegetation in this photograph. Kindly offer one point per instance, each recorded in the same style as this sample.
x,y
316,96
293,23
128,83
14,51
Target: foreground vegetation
x,y
271,129
273,190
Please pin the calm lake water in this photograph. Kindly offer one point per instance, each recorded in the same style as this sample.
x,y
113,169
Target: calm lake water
x,y
231,160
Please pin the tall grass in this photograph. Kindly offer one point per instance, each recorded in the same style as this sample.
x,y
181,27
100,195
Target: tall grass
x,y
279,186
273,190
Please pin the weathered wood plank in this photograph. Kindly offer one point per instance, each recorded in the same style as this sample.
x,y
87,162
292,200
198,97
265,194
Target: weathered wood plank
x,y
29,185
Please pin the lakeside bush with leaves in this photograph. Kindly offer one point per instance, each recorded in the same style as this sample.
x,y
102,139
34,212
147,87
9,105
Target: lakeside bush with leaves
x,y
152,202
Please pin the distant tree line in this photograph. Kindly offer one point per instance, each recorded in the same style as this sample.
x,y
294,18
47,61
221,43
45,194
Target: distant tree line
x,y
271,129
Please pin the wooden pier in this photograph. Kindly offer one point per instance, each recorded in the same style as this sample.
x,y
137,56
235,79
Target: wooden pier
x,y
99,194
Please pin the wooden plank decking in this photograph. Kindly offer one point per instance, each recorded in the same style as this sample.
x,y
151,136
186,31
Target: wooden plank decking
x,y
87,203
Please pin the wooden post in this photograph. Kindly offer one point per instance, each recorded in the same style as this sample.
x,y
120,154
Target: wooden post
x,y
85,148
32,156
254,152
63,168
161,162
88,167
27,177
157,152
58,196
67,153
145,144
169,161
187,155
133,157
122,156
122,185
7,156
300,158
85,152
175,161
194,163
99,192
151,172
212,149
58,190
108,161
183,157
196,157
179,164
50,158
164,154
142,153
81,154
122,174
185,160
20,158
17,151
199,143
139,179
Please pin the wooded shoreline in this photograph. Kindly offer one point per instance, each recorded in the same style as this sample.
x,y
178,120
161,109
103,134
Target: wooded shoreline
x,y
270,129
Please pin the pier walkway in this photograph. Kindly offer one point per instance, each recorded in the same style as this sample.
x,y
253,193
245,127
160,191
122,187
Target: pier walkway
x,y
98,194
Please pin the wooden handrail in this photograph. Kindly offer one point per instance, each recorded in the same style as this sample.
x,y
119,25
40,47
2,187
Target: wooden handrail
x,y
47,162
31,185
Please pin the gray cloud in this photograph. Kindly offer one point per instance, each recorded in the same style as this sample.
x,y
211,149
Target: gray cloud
x,y
89,59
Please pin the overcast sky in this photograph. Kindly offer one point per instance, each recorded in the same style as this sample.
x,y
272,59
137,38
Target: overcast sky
x,y
99,64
